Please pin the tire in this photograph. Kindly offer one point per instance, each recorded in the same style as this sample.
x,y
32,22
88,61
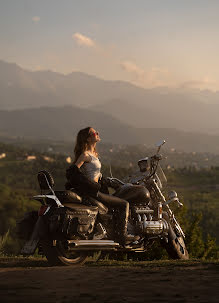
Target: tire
x,y
59,256
175,246
178,249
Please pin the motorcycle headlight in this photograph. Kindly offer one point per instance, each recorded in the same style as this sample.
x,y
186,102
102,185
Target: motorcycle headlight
x,y
172,195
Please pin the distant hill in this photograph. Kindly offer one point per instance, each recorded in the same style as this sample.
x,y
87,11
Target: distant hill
x,y
21,88
188,110
167,111
63,123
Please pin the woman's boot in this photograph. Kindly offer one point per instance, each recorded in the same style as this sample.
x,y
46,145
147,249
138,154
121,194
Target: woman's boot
x,y
124,237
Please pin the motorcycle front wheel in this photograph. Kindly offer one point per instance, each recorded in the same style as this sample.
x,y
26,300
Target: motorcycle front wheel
x,y
175,246
59,255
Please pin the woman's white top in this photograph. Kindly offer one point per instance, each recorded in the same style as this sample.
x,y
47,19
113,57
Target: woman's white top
x,y
92,169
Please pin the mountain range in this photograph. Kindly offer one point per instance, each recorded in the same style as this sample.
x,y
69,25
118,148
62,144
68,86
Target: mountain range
x,y
63,123
46,104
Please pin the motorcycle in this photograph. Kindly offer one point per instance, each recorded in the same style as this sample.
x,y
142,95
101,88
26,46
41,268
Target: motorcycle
x,y
68,228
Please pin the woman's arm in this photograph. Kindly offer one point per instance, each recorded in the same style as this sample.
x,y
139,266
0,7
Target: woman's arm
x,y
79,181
82,158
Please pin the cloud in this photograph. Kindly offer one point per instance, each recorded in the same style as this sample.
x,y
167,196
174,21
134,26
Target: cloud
x,y
131,67
83,40
36,19
154,77
201,83
39,68
157,76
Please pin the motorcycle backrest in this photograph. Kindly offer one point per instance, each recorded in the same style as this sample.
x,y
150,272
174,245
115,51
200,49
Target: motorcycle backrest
x,y
45,180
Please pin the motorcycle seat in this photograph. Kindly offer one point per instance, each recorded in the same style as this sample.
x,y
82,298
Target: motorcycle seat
x,y
80,207
68,196
101,207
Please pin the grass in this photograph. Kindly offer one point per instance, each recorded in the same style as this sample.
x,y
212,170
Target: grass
x,y
156,263
22,262
9,262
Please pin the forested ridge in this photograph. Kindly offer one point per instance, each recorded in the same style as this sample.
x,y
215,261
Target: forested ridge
x,y
198,189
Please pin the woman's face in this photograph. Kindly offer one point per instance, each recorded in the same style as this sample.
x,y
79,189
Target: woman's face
x,y
94,136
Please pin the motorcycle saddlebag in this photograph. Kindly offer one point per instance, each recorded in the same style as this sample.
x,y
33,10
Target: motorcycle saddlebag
x,y
70,222
25,226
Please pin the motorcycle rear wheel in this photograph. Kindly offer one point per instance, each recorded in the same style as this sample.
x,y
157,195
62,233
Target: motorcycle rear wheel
x,y
58,255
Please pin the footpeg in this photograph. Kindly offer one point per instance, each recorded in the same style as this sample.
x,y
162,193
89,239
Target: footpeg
x,y
131,238
101,232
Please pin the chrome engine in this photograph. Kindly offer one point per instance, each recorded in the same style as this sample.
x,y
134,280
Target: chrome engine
x,y
146,224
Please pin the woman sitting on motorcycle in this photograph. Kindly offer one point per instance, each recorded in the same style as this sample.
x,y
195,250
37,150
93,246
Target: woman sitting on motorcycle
x,y
85,173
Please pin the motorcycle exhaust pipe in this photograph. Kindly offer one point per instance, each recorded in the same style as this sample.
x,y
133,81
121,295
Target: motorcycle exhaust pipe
x,y
92,244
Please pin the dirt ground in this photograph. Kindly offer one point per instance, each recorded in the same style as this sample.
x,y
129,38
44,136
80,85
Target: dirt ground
x,y
105,282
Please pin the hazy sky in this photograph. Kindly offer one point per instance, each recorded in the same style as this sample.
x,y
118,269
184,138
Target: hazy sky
x,y
147,42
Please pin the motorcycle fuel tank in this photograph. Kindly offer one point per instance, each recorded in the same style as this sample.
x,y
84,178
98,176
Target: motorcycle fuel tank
x,y
136,194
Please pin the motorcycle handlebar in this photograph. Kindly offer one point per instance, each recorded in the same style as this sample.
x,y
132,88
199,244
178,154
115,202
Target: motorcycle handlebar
x,y
157,157
114,182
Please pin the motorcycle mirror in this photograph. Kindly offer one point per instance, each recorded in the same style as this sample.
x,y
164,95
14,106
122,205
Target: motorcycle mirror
x,y
160,143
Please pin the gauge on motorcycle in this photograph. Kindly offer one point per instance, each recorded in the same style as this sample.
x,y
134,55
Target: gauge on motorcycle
x,y
144,164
